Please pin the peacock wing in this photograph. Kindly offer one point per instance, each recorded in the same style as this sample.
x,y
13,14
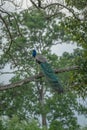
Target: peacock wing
x,y
41,58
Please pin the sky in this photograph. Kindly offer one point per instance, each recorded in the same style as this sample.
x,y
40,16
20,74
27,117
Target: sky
x,y
60,48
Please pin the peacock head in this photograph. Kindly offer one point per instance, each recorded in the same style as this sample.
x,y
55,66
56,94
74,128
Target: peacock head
x,y
34,53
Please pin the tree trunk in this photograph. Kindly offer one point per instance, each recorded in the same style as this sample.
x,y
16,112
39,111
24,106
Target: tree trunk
x,y
41,100
44,123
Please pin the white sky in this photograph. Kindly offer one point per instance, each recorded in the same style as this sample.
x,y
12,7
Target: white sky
x,y
60,48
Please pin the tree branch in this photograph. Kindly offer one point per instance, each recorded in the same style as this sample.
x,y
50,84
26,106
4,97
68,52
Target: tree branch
x,y
12,2
4,12
33,78
34,4
2,73
17,25
61,5
11,39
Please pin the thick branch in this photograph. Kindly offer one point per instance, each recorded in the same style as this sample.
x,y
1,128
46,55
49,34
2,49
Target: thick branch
x,y
33,78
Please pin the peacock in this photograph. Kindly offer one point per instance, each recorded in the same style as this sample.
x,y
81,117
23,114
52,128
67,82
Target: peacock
x,y
48,72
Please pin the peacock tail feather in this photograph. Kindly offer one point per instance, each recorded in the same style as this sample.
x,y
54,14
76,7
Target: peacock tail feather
x,y
51,77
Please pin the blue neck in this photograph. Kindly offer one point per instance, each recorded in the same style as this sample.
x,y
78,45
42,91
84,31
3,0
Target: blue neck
x,y
34,53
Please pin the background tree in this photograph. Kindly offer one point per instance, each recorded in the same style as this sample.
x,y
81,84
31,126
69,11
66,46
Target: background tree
x,y
41,27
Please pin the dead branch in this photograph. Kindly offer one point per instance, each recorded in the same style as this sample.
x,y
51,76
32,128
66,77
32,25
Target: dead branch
x,y
35,77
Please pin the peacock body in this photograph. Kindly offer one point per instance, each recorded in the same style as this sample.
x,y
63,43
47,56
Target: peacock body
x,y
48,72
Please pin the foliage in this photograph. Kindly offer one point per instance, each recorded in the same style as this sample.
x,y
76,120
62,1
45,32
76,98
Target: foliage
x,y
84,128
77,79
61,111
78,4
31,28
16,124
28,99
